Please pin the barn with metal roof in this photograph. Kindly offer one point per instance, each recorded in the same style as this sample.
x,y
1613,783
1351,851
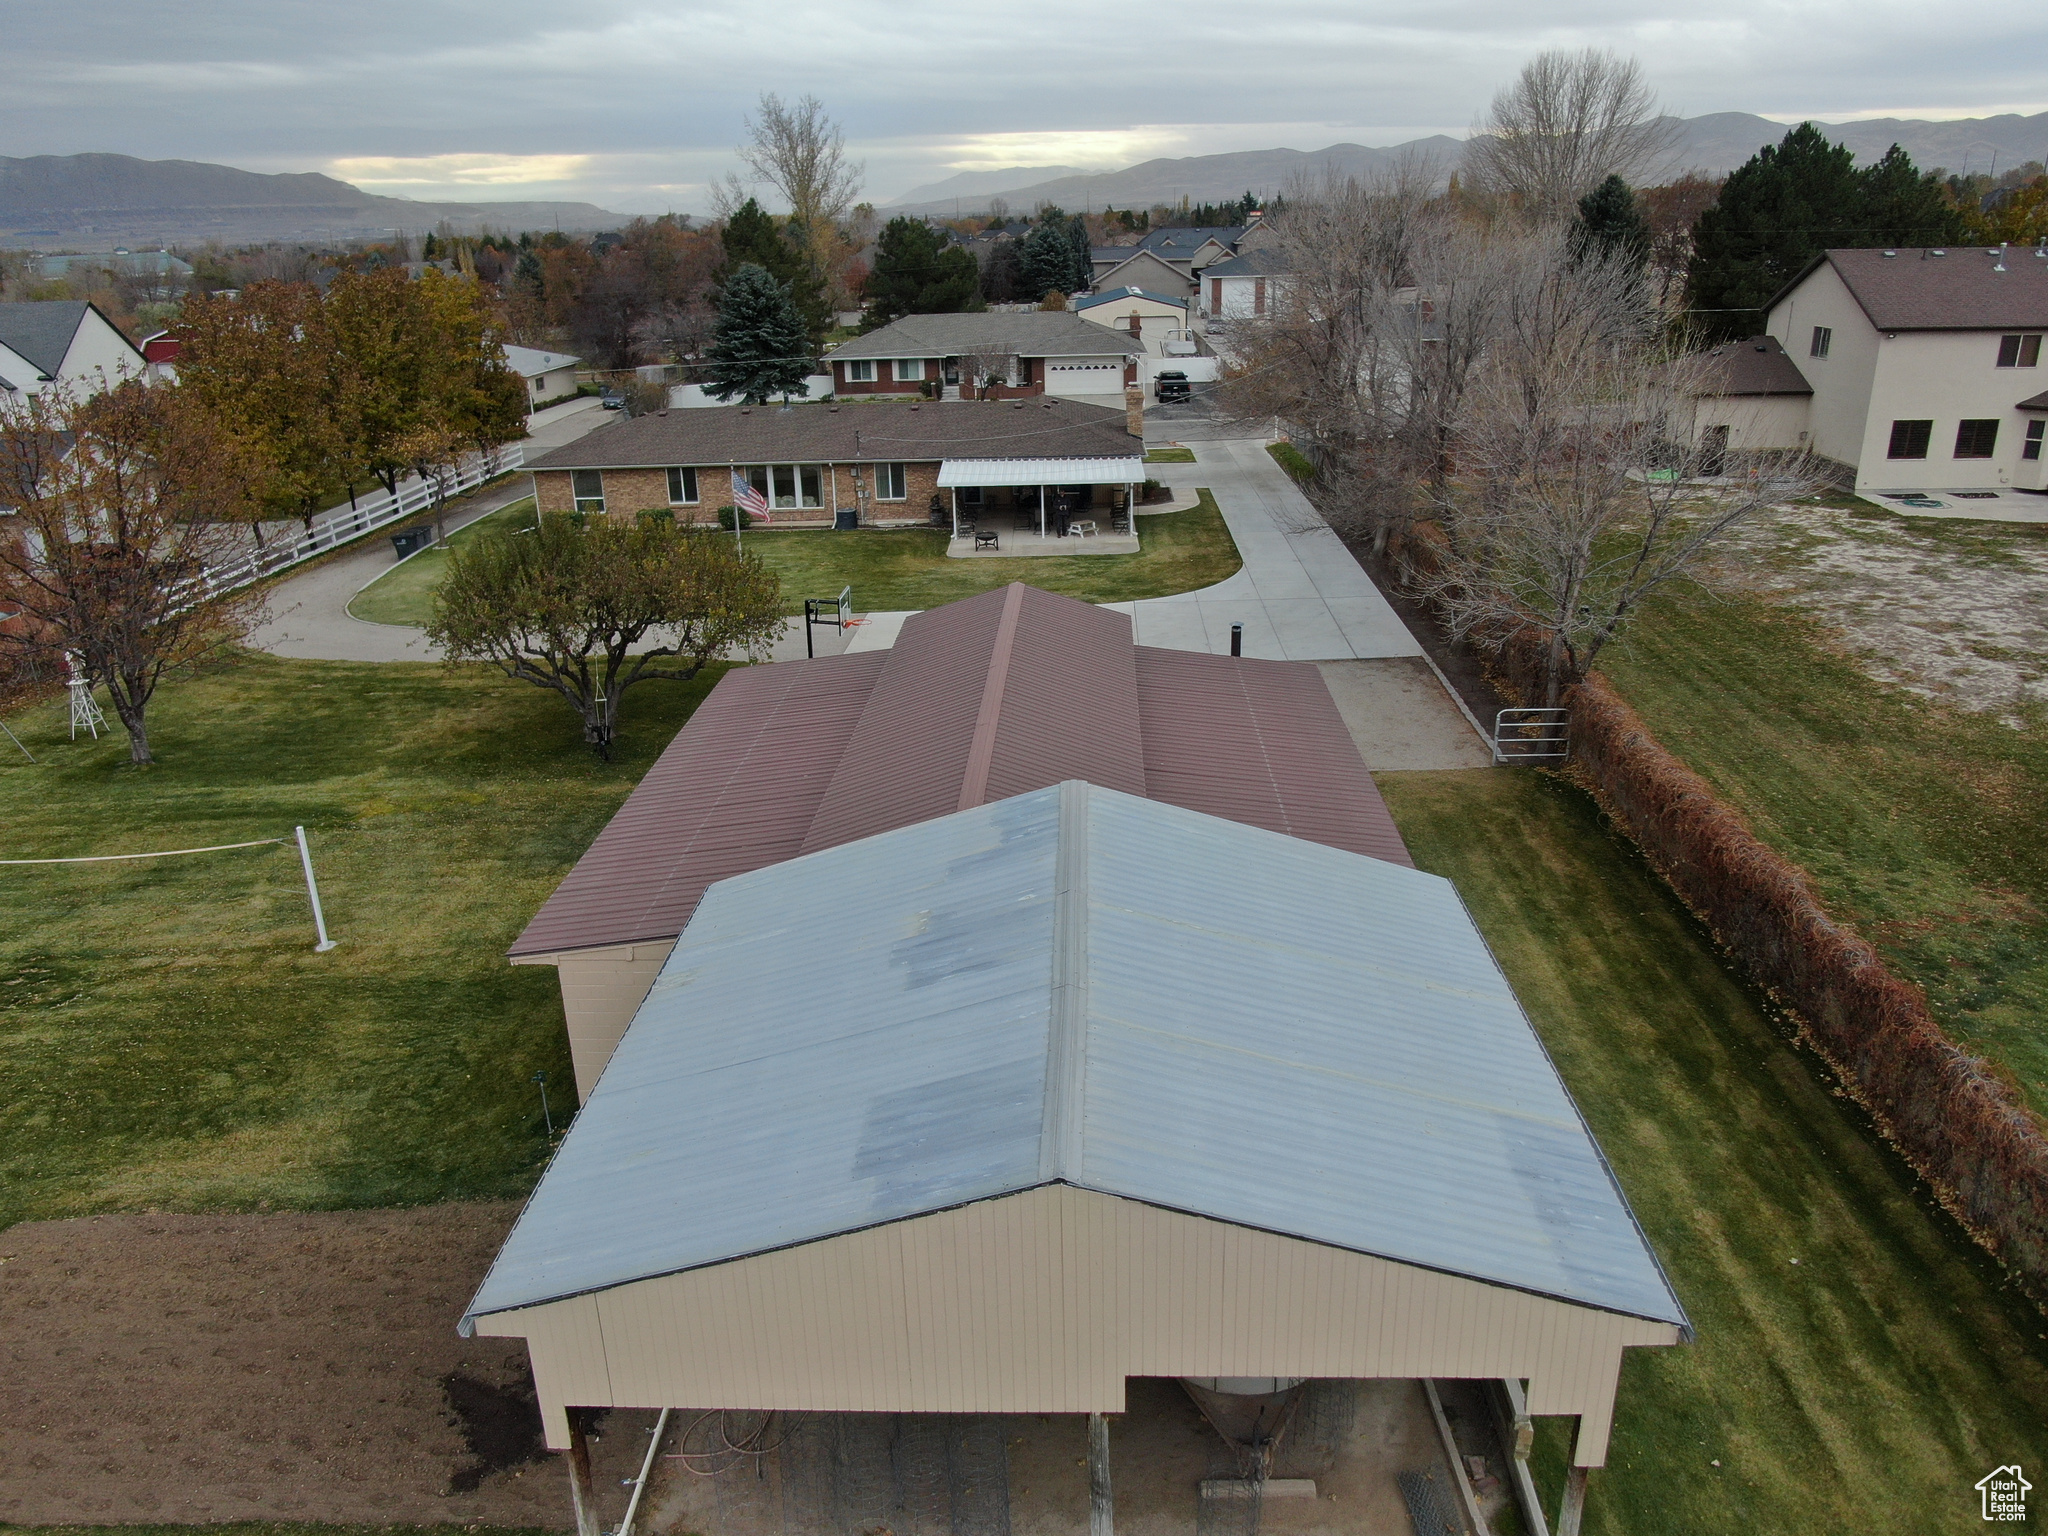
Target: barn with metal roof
x,y
993,1112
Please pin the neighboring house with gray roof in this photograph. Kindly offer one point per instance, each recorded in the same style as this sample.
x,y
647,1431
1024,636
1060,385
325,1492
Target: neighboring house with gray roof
x,y
1757,400
881,461
1144,269
1028,353
65,341
1151,319
550,376
1925,364
1245,287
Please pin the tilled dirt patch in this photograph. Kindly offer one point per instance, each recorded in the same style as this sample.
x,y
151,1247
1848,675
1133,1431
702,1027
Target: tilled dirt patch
x,y
272,1367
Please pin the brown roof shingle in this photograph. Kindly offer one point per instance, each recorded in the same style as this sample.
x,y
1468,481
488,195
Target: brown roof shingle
x,y
1756,365
1913,289
997,695
880,431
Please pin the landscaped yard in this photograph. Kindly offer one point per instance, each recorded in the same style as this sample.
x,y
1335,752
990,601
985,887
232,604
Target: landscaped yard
x,y
1876,711
169,1039
1169,455
1864,1387
404,594
896,569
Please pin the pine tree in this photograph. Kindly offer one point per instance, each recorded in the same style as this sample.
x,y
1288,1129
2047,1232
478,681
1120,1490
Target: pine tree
x,y
1083,273
759,348
1611,226
1905,207
917,273
1047,258
755,237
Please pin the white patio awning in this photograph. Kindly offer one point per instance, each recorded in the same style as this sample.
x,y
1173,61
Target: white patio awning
x,y
1041,472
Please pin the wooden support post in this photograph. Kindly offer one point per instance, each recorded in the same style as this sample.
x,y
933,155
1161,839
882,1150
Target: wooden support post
x,y
582,1491
1571,1509
1101,1500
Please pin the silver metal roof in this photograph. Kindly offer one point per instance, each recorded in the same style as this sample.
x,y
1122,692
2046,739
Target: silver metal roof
x,y
1084,986
1041,472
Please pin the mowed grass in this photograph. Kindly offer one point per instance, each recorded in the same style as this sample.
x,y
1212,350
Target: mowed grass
x,y
168,1038
1169,455
1919,823
1864,1388
405,593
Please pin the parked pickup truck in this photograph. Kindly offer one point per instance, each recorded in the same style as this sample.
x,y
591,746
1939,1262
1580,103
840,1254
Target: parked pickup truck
x,y
1172,385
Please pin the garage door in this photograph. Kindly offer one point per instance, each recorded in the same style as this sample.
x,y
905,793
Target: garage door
x,y
1089,378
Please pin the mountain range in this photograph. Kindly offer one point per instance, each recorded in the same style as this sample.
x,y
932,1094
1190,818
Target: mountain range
x,y
107,200
1713,144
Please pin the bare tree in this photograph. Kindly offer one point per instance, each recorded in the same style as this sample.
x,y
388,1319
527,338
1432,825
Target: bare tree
x,y
124,501
989,363
1581,486
801,152
1567,123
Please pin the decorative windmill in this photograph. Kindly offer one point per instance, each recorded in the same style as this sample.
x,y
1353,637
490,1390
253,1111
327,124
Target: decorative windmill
x,y
85,709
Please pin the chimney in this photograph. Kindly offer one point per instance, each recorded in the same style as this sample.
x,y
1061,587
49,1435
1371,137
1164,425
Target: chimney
x,y
1134,410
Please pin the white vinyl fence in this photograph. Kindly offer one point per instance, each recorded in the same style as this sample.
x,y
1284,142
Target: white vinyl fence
x,y
378,510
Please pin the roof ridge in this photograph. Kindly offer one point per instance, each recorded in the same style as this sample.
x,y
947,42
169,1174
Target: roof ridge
x,y
981,748
1062,1138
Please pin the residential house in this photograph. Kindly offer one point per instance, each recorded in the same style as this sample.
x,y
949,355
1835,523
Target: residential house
x,y
62,341
1926,365
1130,267
1027,352
1758,400
825,464
1153,319
550,376
1245,287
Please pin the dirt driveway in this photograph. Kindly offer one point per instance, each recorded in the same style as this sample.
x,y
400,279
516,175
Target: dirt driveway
x,y
287,1367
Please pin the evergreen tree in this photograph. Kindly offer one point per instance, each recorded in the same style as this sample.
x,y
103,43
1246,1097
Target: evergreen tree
x,y
1083,274
1002,273
917,273
1047,258
759,348
754,237
1792,201
1611,226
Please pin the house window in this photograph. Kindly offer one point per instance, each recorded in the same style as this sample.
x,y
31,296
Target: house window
x,y
889,483
588,486
2032,447
1823,337
682,487
1909,439
1976,439
909,370
788,485
2019,351
859,370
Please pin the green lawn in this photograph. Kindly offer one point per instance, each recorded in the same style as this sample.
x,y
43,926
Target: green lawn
x,y
1863,1389
169,1039
1918,822
403,594
1169,455
902,568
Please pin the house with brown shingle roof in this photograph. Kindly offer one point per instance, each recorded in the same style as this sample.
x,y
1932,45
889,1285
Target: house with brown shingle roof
x,y
1925,365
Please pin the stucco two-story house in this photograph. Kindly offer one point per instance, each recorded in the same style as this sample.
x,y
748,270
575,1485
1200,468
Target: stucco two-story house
x,y
1028,353
62,341
1926,365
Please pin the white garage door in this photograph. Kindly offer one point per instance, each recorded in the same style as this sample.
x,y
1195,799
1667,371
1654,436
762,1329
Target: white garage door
x,y
1084,378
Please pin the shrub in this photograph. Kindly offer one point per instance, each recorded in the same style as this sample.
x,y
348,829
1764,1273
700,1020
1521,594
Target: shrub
x,y
1290,458
727,515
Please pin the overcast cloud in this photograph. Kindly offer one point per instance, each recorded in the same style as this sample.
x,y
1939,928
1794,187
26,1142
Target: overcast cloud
x,y
636,106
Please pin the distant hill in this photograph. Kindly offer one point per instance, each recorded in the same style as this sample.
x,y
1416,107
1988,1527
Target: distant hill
x,y
108,200
1715,144
982,183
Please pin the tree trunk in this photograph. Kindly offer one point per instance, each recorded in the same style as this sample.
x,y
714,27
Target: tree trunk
x,y
131,715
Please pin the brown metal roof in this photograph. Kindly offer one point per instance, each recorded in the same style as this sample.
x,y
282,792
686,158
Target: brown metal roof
x,y
997,695
1962,289
1013,690
1259,742
736,790
881,431
1756,365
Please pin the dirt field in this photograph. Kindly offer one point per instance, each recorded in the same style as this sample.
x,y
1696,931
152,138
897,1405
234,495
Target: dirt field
x,y
290,1367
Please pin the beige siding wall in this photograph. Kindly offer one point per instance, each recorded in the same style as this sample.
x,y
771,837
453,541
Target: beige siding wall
x,y
601,991
1045,1302
1755,422
1841,381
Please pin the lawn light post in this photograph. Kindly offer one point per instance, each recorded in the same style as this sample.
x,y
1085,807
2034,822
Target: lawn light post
x,y
1237,639
313,894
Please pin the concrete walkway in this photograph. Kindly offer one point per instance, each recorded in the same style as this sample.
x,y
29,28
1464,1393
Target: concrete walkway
x,y
309,615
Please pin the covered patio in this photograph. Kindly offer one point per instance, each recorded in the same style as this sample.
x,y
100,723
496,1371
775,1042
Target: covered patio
x,y
1042,506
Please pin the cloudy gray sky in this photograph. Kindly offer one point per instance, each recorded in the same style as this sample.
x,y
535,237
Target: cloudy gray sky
x,y
636,105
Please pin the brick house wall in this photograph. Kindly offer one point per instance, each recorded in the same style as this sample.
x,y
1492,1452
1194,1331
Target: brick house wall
x,y
885,381
627,491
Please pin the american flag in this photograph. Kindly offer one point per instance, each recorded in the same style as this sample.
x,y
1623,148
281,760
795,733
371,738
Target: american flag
x,y
749,500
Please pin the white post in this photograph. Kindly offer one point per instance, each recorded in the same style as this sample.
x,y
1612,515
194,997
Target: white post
x,y
956,512
313,893
1041,511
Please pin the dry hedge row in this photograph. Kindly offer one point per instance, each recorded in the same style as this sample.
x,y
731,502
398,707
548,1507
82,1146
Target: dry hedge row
x,y
1965,1129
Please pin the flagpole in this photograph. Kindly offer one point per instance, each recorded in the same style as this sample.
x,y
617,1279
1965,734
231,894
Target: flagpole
x,y
738,511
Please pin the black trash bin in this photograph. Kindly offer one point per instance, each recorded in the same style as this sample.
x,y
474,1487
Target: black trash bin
x,y
411,541
846,517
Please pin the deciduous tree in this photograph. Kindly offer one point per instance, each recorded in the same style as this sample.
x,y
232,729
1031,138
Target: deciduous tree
x,y
591,611
1567,123
801,152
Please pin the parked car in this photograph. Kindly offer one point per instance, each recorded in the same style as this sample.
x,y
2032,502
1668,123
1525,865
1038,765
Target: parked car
x,y
612,400
1172,385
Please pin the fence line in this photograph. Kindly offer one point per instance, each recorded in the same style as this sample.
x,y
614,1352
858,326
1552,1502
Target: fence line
x,y
332,529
